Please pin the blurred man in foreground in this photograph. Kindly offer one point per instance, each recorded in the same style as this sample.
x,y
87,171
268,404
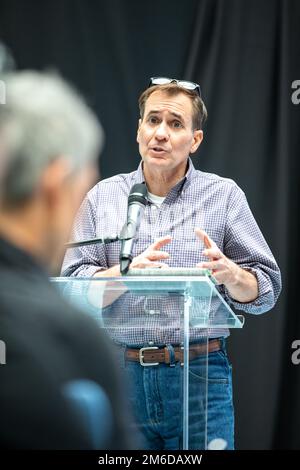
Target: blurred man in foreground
x,y
48,148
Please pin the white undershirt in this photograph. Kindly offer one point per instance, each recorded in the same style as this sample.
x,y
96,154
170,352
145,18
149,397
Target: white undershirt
x,y
157,200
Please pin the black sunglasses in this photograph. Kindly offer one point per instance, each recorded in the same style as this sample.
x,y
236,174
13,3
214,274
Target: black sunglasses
x,y
183,83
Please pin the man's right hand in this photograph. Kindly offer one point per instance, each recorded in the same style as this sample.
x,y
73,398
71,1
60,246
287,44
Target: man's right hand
x,y
151,257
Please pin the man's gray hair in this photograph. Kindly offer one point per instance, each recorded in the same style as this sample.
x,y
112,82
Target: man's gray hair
x,y
43,119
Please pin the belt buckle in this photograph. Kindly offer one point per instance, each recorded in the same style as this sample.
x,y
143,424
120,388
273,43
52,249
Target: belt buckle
x,y
141,356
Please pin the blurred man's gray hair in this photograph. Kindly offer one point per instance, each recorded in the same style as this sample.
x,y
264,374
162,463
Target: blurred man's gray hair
x,y
44,118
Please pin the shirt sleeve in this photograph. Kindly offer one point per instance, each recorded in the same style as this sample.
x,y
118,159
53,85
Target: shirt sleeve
x,y
85,261
245,245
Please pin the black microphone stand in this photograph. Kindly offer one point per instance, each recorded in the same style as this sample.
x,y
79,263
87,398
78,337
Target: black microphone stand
x,y
94,241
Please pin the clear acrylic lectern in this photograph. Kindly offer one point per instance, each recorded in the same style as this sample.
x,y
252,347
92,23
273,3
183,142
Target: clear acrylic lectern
x,y
152,308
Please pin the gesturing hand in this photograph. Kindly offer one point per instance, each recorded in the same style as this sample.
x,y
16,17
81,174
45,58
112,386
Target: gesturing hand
x,y
224,270
241,284
151,257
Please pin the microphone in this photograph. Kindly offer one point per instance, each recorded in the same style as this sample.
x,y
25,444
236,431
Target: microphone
x,y
137,201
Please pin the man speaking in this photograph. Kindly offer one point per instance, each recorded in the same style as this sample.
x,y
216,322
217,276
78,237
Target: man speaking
x,y
192,218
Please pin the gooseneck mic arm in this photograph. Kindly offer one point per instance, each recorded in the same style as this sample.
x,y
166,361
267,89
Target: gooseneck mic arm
x,y
92,241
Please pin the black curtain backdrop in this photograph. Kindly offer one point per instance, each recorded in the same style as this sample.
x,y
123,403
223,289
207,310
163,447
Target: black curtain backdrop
x,y
245,55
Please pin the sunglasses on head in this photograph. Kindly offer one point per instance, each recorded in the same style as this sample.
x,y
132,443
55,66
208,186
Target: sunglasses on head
x,y
183,83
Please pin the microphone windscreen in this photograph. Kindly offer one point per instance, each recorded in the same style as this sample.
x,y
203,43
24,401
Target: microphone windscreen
x,y
138,193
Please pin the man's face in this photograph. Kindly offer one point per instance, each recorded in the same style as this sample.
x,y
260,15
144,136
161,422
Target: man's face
x,y
165,135
63,201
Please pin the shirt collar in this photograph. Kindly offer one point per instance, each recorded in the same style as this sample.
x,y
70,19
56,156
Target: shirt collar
x,y
182,184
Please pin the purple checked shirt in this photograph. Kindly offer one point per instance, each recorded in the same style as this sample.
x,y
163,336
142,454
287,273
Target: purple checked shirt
x,y
201,200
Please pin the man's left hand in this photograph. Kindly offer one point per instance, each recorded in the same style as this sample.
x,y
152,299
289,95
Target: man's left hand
x,y
241,284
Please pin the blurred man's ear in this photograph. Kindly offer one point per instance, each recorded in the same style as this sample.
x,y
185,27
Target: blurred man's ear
x,y
59,195
58,182
53,179
197,139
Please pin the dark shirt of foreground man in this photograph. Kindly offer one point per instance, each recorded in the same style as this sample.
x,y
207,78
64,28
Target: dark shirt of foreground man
x,y
48,344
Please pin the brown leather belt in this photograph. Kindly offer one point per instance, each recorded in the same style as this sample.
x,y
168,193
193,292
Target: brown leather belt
x,y
153,355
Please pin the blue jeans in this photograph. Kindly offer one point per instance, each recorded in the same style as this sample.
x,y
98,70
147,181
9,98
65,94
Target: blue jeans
x,y
155,395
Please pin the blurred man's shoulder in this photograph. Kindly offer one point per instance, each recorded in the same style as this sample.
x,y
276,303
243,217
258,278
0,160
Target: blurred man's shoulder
x,y
34,303
38,324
